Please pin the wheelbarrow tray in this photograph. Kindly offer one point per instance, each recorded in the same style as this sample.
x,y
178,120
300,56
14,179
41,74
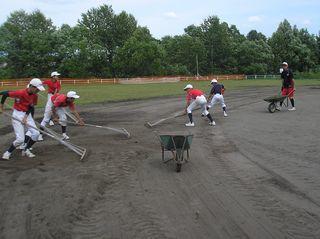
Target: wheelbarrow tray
x,y
276,98
177,143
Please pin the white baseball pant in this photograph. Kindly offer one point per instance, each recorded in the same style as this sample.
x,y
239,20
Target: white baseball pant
x,y
199,101
61,112
216,99
19,128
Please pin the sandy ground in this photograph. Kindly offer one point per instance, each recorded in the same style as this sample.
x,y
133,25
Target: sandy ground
x,y
254,175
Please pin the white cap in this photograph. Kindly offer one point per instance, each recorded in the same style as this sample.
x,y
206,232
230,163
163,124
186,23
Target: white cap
x,y
36,83
214,81
55,73
189,86
284,63
72,94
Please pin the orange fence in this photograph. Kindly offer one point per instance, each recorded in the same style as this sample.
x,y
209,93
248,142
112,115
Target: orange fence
x,y
137,80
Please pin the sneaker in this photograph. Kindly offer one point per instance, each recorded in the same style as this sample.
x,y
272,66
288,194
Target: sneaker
x,y
51,123
22,146
203,115
40,138
292,109
190,124
65,136
225,114
6,155
212,123
278,108
28,153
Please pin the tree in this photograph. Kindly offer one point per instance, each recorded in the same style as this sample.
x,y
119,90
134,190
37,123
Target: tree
x,y
220,43
185,51
253,35
254,57
106,32
27,42
287,46
141,55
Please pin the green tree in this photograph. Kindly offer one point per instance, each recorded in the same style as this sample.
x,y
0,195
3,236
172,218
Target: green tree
x,y
220,43
141,55
287,46
106,32
185,51
28,43
254,57
253,35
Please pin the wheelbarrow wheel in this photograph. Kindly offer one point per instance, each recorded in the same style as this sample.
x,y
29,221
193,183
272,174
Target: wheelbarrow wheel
x,y
178,167
272,107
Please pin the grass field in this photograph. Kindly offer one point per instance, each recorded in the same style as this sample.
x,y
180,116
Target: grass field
x,y
111,93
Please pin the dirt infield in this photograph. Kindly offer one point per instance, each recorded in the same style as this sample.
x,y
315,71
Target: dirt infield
x,y
254,175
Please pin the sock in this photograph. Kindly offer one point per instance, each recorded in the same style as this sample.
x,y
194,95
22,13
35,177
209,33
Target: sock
x,y
29,144
12,147
209,117
42,128
64,129
224,109
281,102
190,117
26,139
292,102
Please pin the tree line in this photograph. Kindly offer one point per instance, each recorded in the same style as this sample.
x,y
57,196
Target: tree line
x,y
106,44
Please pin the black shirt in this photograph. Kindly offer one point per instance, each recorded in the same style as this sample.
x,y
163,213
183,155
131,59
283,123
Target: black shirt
x,y
216,89
287,77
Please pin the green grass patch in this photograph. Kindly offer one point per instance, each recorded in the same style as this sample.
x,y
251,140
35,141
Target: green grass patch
x,y
111,93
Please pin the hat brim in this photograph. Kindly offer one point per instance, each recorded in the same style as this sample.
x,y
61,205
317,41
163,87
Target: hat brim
x,y
41,88
75,97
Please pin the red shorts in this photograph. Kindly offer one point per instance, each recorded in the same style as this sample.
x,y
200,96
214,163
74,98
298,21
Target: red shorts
x,y
288,91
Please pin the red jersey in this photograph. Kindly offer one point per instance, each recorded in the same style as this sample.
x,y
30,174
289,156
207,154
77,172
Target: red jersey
x,y
23,100
53,87
60,100
193,94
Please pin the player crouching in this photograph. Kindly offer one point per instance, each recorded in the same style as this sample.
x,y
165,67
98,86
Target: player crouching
x,y
196,98
216,96
24,102
57,110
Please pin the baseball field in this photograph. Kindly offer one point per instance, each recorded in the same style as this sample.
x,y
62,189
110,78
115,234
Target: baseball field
x,y
253,175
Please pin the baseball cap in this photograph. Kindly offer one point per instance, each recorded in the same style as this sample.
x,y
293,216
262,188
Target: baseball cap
x,y
284,63
55,73
36,82
189,86
214,81
72,94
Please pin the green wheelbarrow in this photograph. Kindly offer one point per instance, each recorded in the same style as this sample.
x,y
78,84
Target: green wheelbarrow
x,y
178,144
274,100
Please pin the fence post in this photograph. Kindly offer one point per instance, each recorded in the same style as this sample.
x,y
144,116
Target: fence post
x,y
88,81
74,82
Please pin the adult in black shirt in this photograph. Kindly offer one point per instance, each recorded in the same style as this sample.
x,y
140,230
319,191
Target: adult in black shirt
x,y
287,84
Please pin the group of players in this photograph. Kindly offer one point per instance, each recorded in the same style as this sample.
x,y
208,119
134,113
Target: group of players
x,y
196,98
26,131
25,100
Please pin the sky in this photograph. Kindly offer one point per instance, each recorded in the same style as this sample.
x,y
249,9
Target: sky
x,y
170,17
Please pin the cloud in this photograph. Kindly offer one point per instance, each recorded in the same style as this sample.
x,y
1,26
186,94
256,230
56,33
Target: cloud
x,y
255,19
170,15
306,22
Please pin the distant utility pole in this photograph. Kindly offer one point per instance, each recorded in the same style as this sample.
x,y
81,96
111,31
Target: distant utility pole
x,y
197,64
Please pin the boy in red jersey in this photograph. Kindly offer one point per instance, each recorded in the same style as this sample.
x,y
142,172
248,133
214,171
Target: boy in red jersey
x,y
196,98
57,105
54,87
24,102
